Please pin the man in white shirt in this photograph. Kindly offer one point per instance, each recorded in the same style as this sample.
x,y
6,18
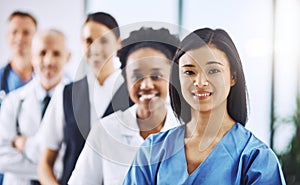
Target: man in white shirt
x,y
21,112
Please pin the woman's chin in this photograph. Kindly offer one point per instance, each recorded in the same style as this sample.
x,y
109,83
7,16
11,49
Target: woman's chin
x,y
156,103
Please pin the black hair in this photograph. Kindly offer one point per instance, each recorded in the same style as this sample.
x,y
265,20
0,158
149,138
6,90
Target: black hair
x,y
160,39
105,19
23,14
237,98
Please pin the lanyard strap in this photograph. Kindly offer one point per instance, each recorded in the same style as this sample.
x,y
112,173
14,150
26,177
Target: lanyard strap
x,y
18,115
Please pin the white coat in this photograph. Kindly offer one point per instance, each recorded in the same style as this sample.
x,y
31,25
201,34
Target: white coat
x,y
19,168
111,147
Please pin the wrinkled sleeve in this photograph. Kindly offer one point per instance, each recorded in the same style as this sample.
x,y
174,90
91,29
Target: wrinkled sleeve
x,y
32,148
262,167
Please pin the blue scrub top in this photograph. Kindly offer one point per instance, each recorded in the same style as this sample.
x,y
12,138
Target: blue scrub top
x,y
239,158
13,80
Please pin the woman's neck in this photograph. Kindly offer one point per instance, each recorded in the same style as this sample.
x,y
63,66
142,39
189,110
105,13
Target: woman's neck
x,y
105,72
150,122
210,123
207,129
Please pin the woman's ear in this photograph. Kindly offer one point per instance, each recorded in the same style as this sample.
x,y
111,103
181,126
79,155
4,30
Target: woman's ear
x,y
233,79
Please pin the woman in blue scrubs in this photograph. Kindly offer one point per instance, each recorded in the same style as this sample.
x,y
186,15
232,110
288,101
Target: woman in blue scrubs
x,y
209,95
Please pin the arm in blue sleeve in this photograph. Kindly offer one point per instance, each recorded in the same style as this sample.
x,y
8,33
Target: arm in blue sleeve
x,y
263,168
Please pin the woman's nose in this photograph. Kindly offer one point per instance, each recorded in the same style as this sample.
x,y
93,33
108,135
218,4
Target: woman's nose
x,y
96,48
147,83
200,80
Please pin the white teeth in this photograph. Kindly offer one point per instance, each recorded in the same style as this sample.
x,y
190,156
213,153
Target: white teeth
x,y
147,96
203,94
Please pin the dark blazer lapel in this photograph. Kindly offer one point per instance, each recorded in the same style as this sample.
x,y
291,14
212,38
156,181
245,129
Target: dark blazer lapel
x,y
81,106
120,101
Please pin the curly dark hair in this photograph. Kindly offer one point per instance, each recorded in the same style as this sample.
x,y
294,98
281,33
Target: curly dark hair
x,y
160,39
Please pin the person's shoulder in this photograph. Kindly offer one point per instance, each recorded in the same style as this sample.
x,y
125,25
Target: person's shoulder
x,y
14,97
258,157
104,128
113,118
243,134
166,136
119,120
75,86
77,82
250,144
23,91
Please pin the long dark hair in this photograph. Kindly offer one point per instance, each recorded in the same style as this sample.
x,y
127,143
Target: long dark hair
x,y
238,96
105,19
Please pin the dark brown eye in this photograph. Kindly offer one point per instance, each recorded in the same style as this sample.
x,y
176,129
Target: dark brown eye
x,y
137,76
89,41
213,71
56,53
43,53
156,76
189,72
26,32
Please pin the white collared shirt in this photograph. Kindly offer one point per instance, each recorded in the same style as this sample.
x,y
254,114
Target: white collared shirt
x,y
111,147
18,167
100,97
